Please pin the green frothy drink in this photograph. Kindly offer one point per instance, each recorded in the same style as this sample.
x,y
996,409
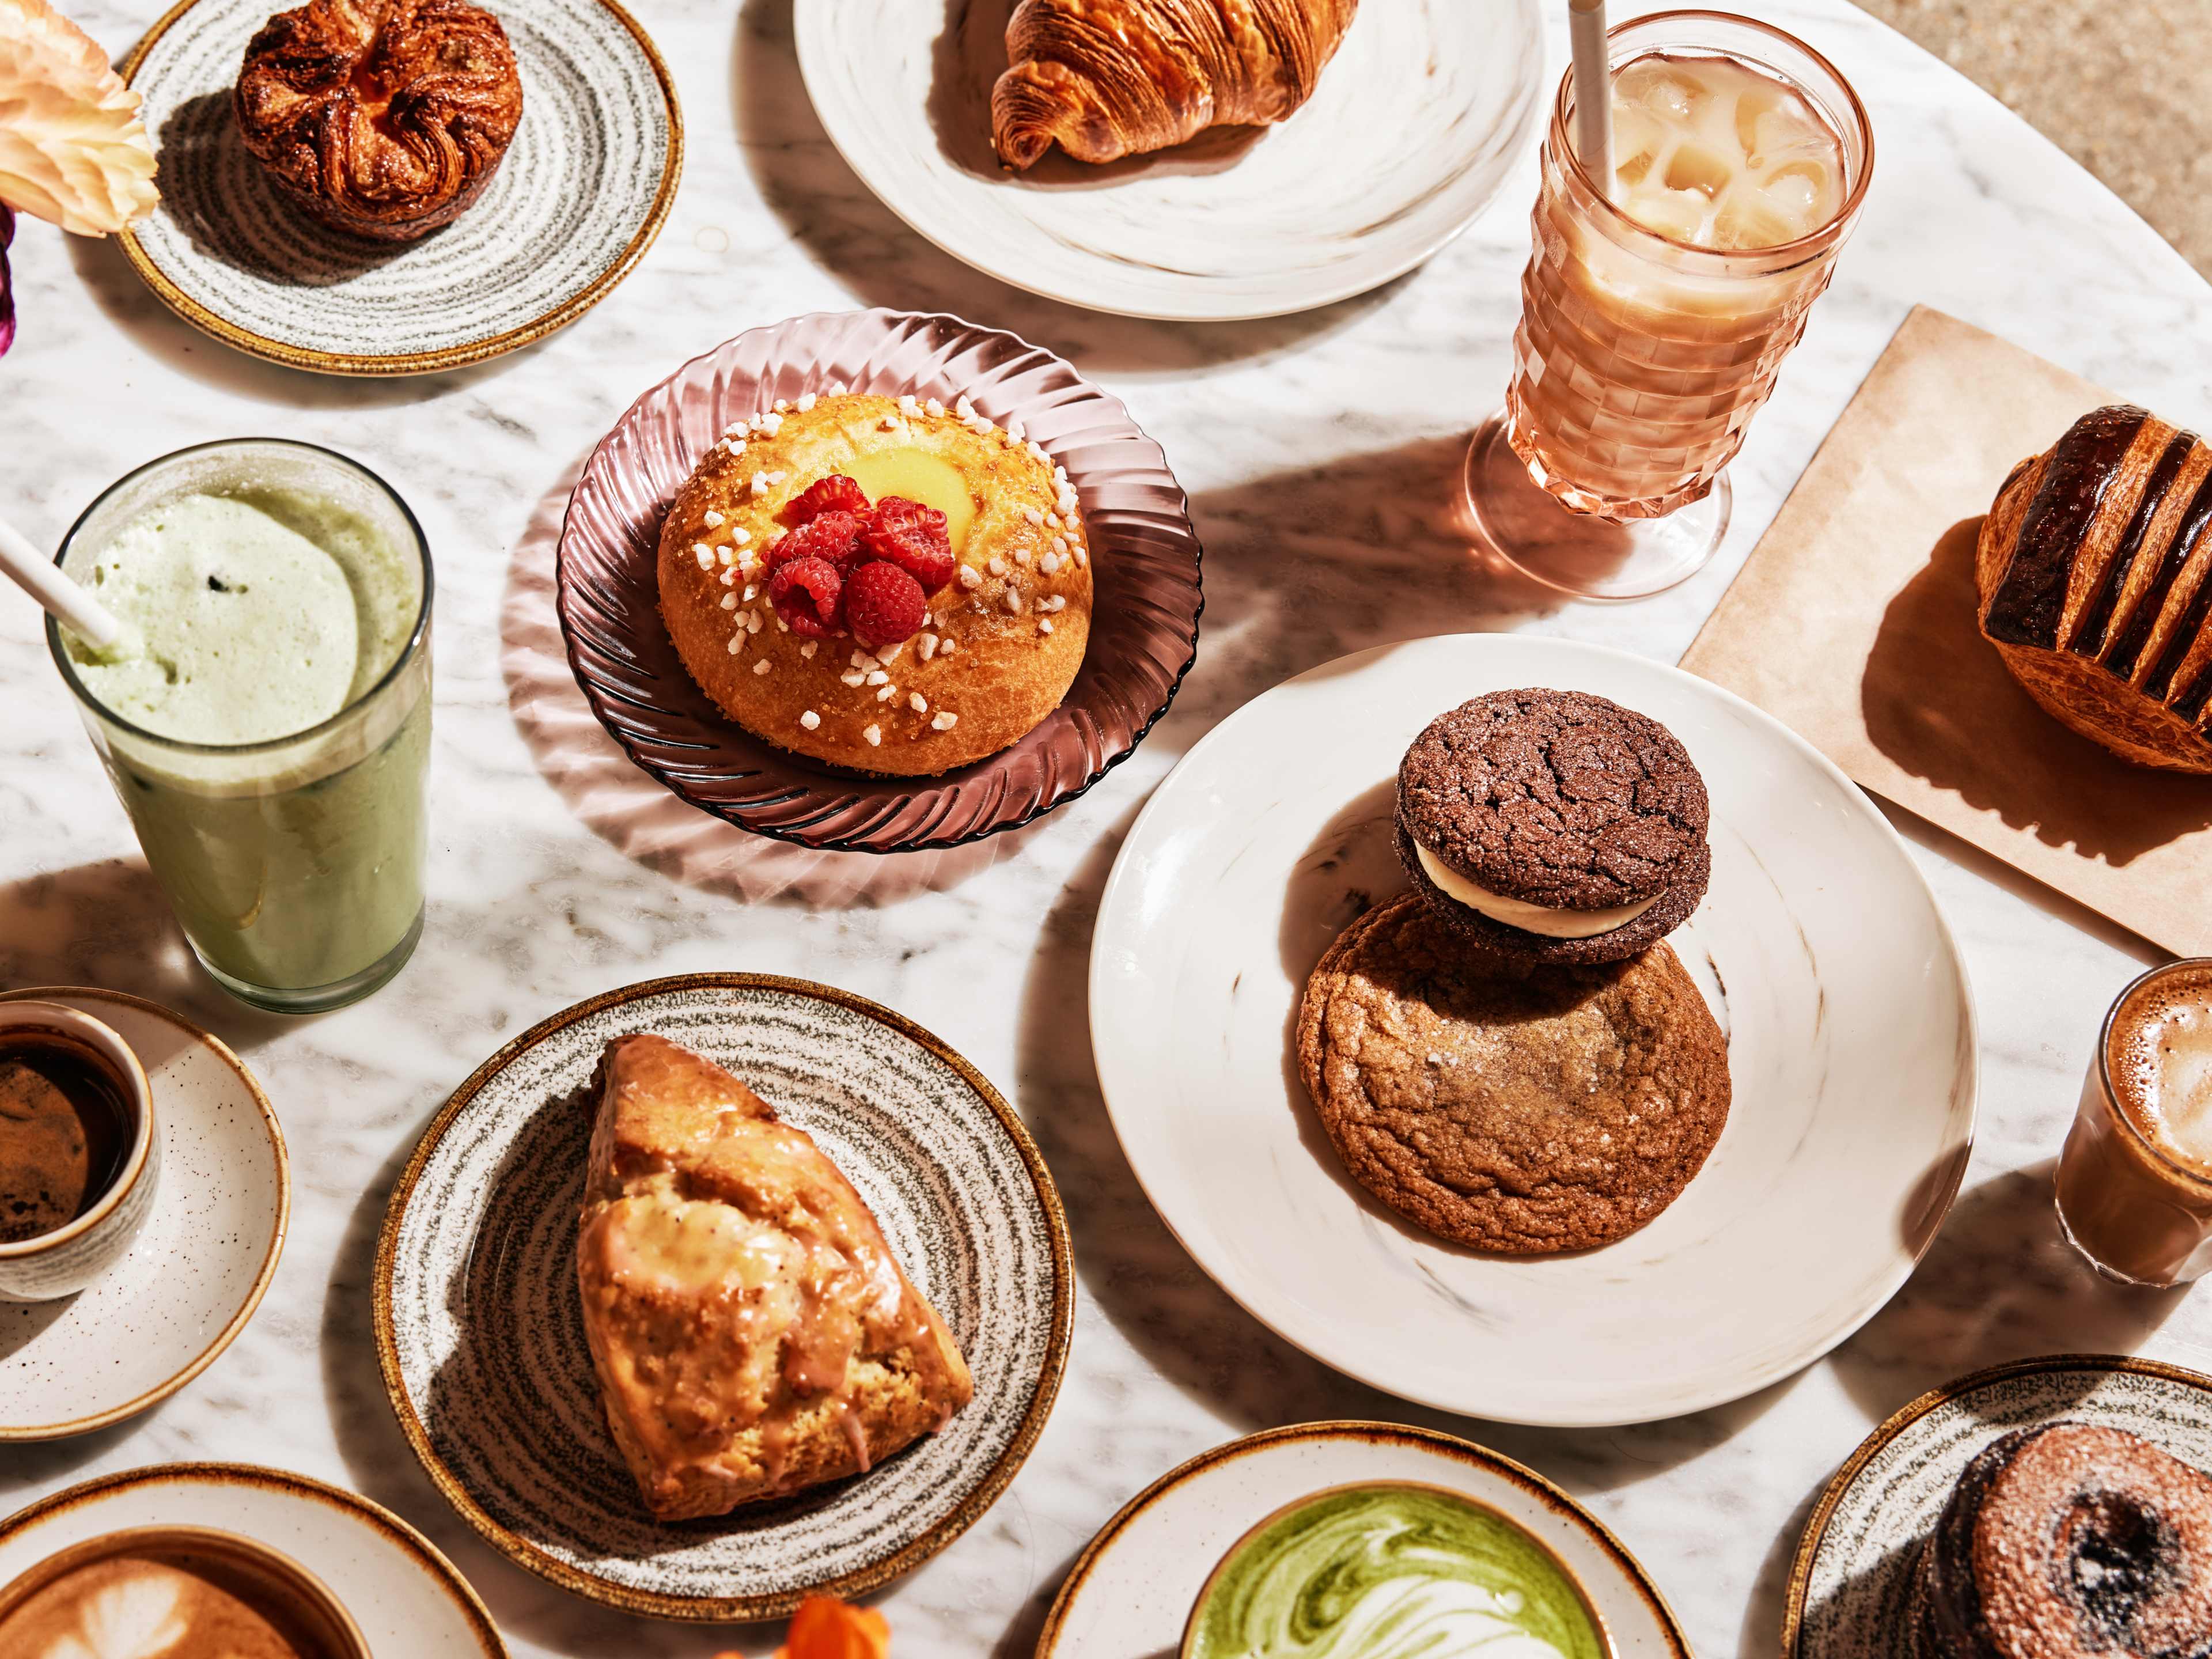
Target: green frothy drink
x,y
1391,1572
268,729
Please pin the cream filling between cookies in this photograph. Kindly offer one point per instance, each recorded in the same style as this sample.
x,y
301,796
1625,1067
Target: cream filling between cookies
x,y
1530,918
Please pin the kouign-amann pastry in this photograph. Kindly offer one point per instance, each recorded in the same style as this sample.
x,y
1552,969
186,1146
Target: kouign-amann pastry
x,y
752,1333
383,117
1509,1106
2067,1541
2092,569
882,583
1553,826
1107,78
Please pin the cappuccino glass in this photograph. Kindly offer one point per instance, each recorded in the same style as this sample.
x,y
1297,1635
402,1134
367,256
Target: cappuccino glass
x,y
2135,1182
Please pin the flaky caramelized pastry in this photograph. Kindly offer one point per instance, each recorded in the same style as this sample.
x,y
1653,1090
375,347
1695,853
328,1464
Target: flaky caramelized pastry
x,y
753,1332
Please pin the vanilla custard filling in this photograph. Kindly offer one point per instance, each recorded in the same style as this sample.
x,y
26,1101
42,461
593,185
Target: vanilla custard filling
x,y
1530,918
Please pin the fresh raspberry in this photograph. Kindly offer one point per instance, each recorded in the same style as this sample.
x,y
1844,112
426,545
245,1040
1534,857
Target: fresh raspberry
x,y
912,536
884,605
834,493
805,594
835,538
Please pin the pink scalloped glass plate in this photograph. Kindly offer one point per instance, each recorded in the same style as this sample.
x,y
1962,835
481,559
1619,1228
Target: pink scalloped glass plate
x,y
1144,627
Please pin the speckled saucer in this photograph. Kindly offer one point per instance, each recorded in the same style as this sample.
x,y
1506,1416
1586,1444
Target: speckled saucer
x,y
481,1334
159,1317
1848,1585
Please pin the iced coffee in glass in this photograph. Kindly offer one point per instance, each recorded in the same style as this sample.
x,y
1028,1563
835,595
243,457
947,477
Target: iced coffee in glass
x,y
2135,1182
1659,304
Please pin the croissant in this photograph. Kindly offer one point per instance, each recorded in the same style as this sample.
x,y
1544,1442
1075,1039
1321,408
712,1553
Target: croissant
x,y
1107,78
2091,569
384,118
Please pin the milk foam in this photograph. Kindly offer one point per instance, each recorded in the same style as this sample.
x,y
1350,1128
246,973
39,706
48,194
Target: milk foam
x,y
2160,1059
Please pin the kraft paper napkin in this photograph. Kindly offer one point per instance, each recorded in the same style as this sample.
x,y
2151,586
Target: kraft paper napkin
x,y
1853,623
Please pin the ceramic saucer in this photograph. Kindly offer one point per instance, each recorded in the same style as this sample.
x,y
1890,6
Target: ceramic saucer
x,y
1416,122
1848,1584
159,1317
407,1598
1819,946
480,1330
1131,1591
578,198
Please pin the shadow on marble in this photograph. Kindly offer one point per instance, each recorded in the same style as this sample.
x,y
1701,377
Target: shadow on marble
x,y
2000,1284
819,199
108,925
1769,1590
633,812
30,1470
129,305
2006,755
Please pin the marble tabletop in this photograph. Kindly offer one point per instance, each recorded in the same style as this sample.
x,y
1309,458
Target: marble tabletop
x,y
1320,452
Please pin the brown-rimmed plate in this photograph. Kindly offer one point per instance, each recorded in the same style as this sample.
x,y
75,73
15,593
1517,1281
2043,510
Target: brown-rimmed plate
x,y
407,1598
480,1331
1131,1591
1848,1583
192,1279
578,198
1145,557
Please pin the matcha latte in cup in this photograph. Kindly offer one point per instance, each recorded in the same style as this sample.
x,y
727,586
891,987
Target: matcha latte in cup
x,y
1394,1570
266,717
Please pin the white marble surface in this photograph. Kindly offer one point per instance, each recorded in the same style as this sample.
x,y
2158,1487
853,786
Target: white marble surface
x,y
1319,452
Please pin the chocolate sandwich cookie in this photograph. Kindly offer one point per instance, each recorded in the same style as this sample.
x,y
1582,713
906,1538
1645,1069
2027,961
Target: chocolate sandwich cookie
x,y
2067,1541
1553,826
1510,1106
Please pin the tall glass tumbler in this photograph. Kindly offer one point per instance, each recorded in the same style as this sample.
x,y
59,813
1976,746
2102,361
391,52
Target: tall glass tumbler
x,y
294,864
1640,358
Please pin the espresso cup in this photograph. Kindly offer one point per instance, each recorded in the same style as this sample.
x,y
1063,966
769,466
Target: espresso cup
x,y
194,1578
67,1258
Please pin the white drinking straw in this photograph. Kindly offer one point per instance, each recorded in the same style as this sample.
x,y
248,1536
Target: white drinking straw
x,y
69,603
1593,92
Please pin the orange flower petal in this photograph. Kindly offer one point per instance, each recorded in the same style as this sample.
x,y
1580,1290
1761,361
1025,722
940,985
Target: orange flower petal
x,y
826,1628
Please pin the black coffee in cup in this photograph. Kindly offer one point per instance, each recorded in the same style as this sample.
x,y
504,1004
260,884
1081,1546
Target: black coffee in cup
x,y
66,1127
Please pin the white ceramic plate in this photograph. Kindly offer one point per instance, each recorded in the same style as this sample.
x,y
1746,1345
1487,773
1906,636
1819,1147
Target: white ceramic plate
x,y
577,200
481,1332
1850,1047
159,1317
1130,1592
1413,128
1849,1585
408,1599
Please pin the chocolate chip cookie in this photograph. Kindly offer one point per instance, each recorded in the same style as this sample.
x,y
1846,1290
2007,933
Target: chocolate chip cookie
x,y
1553,826
1506,1105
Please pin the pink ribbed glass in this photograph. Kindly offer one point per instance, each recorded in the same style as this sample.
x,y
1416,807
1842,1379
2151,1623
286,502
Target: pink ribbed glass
x,y
1144,566
1640,360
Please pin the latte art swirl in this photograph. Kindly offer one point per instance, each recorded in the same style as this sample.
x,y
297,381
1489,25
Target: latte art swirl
x,y
134,1618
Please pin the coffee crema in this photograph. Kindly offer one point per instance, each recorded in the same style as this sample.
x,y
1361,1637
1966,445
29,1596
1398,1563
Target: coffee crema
x,y
2159,1058
163,1603
65,1131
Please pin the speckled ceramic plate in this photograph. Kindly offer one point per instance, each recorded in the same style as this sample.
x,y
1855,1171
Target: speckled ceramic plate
x,y
407,1598
1849,1583
1415,123
577,200
1145,562
1851,1053
159,1317
481,1332
1131,1591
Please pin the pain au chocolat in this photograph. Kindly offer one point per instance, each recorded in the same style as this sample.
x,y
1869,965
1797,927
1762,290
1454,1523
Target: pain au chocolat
x,y
2095,571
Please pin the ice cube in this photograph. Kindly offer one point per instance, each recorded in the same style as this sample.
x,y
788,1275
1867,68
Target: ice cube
x,y
1681,214
1753,104
1693,166
1783,134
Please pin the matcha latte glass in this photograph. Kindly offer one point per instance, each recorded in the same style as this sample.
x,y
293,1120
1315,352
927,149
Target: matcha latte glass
x,y
268,727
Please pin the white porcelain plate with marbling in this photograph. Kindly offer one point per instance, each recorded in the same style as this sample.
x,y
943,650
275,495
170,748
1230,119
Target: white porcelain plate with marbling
x,y
193,1278
1849,1587
1851,1055
480,1328
1415,123
1130,1592
577,200
408,1599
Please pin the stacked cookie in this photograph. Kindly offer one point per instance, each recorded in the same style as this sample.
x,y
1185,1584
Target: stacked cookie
x,y
1509,1056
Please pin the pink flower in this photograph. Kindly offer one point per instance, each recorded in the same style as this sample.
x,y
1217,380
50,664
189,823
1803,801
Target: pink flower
x,y
6,294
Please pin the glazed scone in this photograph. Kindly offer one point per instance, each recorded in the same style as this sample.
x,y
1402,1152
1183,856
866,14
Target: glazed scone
x,y
1000,637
